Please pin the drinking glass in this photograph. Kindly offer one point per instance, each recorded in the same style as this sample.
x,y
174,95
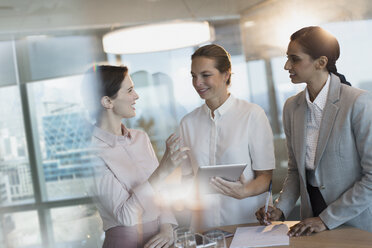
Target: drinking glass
x,y
184,238
208,243
181,231
215,237
187,240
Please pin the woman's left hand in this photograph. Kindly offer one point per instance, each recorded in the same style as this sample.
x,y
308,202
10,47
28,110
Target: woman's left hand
x,y
163,239
173,157
174,150
233,189
307,227
242,189
174,153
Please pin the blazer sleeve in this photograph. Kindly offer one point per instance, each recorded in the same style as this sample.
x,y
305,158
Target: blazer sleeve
x,y
359,197
291,187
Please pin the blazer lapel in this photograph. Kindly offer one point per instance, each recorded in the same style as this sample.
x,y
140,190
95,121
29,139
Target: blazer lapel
x,y
299,131
328,119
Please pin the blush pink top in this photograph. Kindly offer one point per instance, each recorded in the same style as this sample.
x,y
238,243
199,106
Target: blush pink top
x,y
123,195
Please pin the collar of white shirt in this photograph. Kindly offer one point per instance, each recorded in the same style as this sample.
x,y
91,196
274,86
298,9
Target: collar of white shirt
x,y
221,110
321,99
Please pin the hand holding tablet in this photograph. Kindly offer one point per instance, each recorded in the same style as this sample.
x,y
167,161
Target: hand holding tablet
x,y
229,172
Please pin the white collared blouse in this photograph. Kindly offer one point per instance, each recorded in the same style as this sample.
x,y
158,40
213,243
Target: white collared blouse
x,y
239,133
314,118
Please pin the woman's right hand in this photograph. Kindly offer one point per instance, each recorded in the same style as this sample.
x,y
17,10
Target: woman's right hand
x,y
273,214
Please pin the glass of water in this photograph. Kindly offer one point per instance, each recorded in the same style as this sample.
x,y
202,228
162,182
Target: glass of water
x,y
184,238
187,240
216,239
181,231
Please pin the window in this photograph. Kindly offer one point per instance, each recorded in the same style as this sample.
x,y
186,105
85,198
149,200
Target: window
x,y
355,56
15,175
77,226
7,70
43,162
21,230
63,135
258,86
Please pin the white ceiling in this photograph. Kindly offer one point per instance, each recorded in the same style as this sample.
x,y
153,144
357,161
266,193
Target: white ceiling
x,y
38,16
273,20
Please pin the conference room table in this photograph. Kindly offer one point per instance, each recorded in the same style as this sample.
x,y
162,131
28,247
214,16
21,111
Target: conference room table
x,y
341,237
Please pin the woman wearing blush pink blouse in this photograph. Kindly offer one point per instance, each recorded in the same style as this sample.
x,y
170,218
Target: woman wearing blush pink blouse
x,y
126,184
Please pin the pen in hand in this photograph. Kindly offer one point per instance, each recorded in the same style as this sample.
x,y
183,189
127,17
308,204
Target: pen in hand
x,y
268,199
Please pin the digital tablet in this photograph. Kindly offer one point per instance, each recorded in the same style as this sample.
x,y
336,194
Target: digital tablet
x,y
229,172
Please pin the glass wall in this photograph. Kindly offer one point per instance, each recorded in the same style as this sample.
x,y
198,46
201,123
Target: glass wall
x,y
44,168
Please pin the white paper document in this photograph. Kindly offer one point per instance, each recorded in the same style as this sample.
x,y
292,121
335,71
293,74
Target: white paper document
x,y
260,236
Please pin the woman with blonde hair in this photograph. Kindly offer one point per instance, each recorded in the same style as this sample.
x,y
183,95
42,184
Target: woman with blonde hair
x,y
226,130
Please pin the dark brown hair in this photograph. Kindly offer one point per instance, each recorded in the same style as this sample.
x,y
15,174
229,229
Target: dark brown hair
x,y
109,78
100,81
221,57
317,42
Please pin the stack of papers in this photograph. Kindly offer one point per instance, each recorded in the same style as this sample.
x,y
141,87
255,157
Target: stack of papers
x,y
260,236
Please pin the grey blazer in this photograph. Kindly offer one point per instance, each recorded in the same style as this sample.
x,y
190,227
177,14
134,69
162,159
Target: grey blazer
x,y
343,158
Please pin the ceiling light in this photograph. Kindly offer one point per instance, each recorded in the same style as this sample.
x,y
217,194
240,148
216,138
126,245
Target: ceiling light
x,y
157,37
248,24
37,37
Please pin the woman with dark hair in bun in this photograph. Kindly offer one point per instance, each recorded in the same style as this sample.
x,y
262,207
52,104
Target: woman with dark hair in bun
x,y
328,127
